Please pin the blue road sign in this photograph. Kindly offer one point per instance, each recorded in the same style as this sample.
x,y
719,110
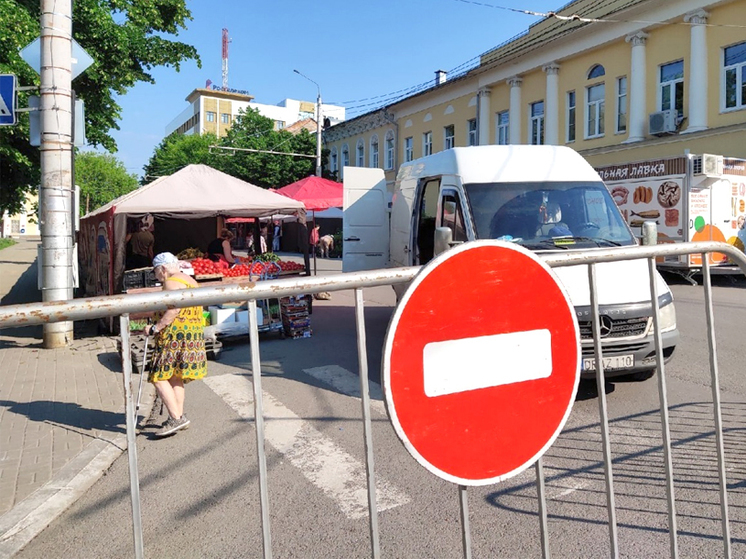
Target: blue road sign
x,y
7,99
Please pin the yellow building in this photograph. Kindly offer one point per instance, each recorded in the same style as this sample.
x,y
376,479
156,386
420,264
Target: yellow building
x,y
23,224
624,81
212,111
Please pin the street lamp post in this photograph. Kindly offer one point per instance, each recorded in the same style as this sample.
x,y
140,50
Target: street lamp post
x,y
318,122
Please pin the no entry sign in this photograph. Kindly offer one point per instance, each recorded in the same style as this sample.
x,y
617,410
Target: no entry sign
x,y
481,362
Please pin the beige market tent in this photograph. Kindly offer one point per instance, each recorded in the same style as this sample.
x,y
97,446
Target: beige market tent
x,y
197,193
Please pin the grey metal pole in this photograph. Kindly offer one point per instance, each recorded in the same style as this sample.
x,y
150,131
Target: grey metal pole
x,y
318,134
56,188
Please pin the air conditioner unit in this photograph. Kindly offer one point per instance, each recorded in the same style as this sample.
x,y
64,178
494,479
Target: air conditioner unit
x,y
708,165
663,122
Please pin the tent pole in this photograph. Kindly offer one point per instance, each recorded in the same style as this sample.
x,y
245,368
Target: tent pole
x,y
313,248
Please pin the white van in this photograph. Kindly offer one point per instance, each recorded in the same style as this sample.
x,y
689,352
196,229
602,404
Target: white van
x,y
545,198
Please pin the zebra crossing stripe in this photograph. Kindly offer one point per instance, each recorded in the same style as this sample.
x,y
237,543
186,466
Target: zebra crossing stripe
x,y
348,383
338,475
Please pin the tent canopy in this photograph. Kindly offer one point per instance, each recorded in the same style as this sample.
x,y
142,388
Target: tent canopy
x,y
198,191
315,192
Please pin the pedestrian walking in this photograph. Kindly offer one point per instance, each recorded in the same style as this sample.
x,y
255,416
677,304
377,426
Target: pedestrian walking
x,y
276,235
179,356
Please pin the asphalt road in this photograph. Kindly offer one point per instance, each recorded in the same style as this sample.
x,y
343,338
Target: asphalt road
x,y
200,487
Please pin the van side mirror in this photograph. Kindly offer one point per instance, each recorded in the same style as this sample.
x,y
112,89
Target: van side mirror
x,y
443,239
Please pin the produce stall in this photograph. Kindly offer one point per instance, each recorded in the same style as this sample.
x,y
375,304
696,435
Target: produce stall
x,y
189,208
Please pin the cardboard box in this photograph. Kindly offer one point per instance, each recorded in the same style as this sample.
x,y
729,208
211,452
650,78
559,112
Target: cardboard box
x,y
219,315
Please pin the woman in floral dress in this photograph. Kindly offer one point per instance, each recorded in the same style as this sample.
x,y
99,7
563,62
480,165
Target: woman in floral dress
x,y
179,346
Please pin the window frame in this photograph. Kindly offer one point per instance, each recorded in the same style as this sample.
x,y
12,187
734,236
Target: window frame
x,y
449,138
502,129
673,83
571,115
471,132
388,157
344,159
225,118
427,143
740,74
600,120
210,116
621,105
360,153
409,149
536,120
373,156
333,159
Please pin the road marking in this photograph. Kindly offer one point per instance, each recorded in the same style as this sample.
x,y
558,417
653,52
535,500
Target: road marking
x,y
572,489
339,476
454,366
348,384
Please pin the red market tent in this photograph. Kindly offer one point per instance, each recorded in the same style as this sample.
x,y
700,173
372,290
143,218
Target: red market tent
x,y
316,193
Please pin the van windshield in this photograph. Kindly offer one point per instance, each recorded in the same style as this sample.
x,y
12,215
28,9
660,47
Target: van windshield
x,y
548,215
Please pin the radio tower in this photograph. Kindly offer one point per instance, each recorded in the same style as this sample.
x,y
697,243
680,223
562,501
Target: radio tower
x,y
225,58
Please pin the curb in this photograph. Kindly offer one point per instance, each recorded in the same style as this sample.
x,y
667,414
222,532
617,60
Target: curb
x,y
27,519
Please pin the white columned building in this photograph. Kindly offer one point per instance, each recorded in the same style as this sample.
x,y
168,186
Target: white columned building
x,y
697,71
484,116
515,109
637,84
551,106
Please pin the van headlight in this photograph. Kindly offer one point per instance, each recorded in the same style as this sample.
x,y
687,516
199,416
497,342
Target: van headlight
x,y
667,317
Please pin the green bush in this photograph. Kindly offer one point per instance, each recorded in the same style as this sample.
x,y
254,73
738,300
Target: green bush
x,y
5,243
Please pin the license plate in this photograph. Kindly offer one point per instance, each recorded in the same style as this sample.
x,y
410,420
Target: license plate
x,y
610,363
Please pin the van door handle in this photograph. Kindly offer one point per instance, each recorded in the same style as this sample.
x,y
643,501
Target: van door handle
x,y
352,239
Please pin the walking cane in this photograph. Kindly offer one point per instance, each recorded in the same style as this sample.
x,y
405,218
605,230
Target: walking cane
x,y
142,375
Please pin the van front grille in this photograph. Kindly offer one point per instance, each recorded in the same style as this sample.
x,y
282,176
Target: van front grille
x,y
616,327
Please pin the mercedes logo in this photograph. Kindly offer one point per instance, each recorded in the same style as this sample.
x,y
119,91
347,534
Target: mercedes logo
x,y
606,324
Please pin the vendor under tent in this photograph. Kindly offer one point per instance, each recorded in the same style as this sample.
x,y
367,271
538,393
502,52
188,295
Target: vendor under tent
x,y
317,194
189,208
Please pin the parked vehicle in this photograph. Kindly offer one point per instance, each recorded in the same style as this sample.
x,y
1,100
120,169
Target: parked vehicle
x,y
545,198
690,198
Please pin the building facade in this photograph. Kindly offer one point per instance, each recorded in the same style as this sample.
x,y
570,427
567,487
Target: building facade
x,y
613,88
213,111
23,224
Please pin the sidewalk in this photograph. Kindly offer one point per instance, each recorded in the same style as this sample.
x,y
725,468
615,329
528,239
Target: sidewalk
x,y
61,411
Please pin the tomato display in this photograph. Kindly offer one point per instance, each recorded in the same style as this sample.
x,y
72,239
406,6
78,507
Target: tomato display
x,y
205,267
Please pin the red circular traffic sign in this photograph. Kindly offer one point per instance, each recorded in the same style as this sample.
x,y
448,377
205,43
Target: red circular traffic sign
x,y
481,362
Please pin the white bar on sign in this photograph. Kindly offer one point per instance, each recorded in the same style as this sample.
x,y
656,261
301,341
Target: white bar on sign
x,y
485,361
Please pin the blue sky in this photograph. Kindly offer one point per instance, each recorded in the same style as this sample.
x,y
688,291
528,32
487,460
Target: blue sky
x,y
354,50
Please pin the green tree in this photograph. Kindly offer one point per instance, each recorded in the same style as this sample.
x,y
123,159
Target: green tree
x,y
126,39
176,151
269,170
102,178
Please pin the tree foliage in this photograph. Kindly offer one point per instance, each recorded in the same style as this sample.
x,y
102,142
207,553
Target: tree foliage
x,y
127,39
102,178
177,151
250,130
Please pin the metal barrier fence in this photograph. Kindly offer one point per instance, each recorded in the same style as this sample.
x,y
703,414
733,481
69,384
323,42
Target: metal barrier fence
x,y
123,305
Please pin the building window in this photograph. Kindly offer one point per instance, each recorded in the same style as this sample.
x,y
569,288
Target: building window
x,y
345,158
279,124
536,124
374,152
408,149
502,132
472,134
621,104
448,137
210,116
595,109
389,147
427,143
596,71
734,76
333,160
225,118
672,87
571,116
360,153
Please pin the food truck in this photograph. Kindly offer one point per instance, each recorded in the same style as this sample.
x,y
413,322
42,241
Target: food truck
x,y
690,198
